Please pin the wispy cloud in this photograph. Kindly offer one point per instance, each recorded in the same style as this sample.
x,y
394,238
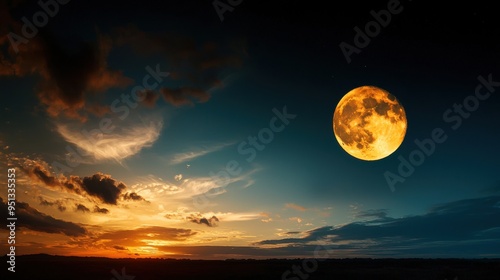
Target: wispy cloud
x,y
266,217
377,214
295,207
118,145
156,189
188,156
295,219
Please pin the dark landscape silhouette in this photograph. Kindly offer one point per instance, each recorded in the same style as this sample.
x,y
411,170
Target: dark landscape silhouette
x,y
42,266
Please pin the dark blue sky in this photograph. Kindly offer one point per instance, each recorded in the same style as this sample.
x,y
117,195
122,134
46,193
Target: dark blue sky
x,y
226,81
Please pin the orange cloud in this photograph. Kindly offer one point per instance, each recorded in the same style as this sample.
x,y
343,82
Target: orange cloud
x,y
98,186
295,207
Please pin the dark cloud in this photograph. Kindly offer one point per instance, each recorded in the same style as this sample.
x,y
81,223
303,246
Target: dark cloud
x,y
378,214
99,185
443,227
196,67
73,73
30,218
39,171
184,96
149,97
58,203
97,209
133,196
82,208
104,187
68,77
44,176
211,222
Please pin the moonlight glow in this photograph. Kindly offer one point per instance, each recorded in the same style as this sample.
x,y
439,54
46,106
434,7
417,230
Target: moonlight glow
x,y
369,123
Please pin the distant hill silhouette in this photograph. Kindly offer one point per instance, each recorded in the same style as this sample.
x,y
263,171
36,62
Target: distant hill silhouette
x,y
43,266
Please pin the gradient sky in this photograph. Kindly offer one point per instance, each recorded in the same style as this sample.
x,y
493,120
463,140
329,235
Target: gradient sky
x,y
154,184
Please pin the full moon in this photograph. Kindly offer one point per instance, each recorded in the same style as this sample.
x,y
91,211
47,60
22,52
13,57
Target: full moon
x,y
369,123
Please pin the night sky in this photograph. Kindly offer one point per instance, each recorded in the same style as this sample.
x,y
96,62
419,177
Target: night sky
x,y
230,150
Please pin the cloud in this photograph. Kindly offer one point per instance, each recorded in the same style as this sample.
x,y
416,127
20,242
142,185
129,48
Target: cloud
x,y
100,186
378,214
198,186
266,217
281,233
149,97
82,208
197,67
197,189
104,187
134,236
211,222
295,207
444,227
178,177
68,77
122,143
58,203
133,196
183,214
133,239
34,220
38,170
188,156
184,96
97,209
74,75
